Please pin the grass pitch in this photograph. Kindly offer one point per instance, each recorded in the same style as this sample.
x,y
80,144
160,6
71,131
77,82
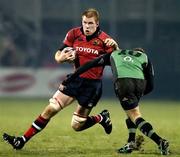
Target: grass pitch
x,y
59,140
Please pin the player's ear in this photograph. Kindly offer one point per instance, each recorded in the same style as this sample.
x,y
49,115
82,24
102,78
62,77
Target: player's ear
x,y
97,24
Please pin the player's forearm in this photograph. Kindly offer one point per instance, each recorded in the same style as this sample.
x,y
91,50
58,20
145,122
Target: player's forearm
x,y
84,68
149,86
149,76
100,61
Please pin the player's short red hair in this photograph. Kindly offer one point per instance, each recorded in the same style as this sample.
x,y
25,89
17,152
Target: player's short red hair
x,y
91,12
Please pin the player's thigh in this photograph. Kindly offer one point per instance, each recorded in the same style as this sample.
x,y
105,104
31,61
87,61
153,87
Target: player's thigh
x,y
63,99
89,94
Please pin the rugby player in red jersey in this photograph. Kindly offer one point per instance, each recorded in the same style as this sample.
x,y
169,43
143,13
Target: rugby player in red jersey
x,y
80,45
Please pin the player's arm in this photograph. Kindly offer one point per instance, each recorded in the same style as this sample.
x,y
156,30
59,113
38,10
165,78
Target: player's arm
x,y
66,53
100,61
149,76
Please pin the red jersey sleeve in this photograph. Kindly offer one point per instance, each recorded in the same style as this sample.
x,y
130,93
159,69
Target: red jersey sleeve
x,y
69,38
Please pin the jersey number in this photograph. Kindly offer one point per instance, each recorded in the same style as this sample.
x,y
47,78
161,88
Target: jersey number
x,y
131,53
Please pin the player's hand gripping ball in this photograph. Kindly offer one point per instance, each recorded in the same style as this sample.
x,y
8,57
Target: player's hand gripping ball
x,y
71,54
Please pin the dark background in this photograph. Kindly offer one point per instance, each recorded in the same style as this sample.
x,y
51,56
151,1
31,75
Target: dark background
x,y
32,30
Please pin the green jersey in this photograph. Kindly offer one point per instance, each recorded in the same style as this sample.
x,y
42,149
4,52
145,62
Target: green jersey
x,y
128,64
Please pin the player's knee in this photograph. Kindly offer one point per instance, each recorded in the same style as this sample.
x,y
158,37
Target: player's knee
x,y
54,105
51,109
78,122
134,114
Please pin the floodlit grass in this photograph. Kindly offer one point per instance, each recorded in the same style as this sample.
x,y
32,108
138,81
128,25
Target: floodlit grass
x,y
59,139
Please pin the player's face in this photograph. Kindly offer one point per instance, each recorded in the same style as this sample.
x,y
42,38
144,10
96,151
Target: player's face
x,y
89,25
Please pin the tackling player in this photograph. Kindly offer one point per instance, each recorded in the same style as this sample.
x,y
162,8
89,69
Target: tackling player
x,y
133,77
81,44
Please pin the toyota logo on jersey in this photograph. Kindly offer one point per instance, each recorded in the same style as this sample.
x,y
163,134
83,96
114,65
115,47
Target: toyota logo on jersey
x,y
88,50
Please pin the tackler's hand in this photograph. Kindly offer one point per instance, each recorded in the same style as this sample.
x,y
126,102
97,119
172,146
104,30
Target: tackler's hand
x,y
111,42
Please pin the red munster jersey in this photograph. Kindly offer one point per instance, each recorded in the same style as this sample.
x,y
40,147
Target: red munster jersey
x,y
88,48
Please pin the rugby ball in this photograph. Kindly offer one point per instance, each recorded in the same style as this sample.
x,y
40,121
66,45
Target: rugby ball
x,y
73,52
